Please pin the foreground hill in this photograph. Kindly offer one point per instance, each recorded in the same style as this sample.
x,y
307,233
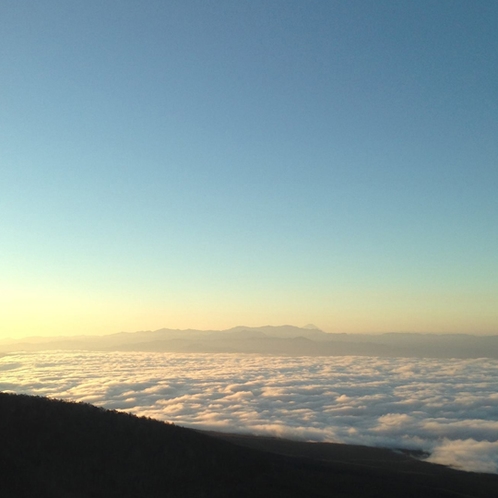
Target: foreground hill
x,y
58,449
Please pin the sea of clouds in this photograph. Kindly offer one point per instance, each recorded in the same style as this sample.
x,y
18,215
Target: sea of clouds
x,y
448,408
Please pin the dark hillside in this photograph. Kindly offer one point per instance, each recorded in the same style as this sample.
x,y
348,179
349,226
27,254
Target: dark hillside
x,y
54,448
57,449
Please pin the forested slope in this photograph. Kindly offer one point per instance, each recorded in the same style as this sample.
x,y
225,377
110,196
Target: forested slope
x,y
52,449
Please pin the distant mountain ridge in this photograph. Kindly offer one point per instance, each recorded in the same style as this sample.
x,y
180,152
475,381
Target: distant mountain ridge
x,y
279,340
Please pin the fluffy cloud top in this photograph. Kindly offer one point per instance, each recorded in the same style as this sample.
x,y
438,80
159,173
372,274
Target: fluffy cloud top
x,y
448,408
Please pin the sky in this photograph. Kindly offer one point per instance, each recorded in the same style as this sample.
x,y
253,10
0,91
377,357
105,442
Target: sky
x,y
447,408
201,164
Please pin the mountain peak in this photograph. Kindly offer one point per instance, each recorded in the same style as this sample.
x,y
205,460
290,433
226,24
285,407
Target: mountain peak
x,y
310,326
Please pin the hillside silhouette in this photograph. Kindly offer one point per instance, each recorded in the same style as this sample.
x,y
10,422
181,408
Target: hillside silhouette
x,y
53,449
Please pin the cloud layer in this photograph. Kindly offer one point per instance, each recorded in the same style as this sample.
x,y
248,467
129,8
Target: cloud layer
x,y
446,407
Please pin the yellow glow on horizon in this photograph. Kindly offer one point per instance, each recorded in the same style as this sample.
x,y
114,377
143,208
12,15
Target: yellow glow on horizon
x,y
44,312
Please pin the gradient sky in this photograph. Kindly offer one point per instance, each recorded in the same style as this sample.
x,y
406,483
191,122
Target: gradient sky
x,y
208,164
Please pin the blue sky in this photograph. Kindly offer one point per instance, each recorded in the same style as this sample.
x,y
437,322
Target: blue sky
x,y
209,164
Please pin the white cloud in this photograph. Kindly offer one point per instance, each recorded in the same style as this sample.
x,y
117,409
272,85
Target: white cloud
x,y
448,407
468,454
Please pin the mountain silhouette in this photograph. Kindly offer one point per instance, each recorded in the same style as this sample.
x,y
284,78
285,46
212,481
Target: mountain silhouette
x,y
60,449
280,340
